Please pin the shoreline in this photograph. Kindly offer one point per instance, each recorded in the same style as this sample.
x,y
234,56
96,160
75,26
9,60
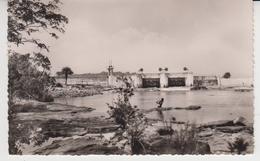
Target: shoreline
x,y
68,124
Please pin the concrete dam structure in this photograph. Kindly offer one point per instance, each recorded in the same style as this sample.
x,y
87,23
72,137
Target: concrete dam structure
x,y
162,79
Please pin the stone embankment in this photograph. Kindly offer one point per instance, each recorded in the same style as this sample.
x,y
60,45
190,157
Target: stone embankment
x,y
76,91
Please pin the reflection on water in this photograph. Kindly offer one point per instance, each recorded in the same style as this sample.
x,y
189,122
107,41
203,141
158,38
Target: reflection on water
x,y
216,105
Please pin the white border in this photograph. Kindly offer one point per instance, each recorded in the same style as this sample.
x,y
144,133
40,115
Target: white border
x,y
3,107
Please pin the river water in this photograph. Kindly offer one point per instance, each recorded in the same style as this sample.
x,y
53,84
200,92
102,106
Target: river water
x,y
216,104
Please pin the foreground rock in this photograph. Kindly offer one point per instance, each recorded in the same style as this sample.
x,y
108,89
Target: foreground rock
x,y
78,146
73,130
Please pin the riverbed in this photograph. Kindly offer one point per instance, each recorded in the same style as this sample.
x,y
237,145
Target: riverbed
x,y
215,104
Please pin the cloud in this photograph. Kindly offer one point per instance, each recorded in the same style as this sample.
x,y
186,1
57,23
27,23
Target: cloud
x,y
205,36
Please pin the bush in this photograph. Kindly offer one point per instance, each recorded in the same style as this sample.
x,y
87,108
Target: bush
x,y
46,98
130,119
58,85
185,140
238,146
167,130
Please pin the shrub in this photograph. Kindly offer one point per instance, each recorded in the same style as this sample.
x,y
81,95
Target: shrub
x,y
130,119
58,85
238,146
46,98
185,140
167,130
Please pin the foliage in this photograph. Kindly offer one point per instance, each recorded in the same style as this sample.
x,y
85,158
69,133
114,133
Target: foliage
x,y
166,69
238,146
29,73
141,70
167,129
160,69
185,140
29,76
130,119
31,134
66,71
227,75
26,17
185,69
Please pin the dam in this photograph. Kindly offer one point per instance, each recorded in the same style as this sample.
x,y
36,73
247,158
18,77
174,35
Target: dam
x,y
161,79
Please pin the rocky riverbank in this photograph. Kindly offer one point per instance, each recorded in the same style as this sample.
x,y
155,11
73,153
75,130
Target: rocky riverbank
x,y
52,128
76,91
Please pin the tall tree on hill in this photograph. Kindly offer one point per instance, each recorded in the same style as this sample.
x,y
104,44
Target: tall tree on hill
x,y
66,71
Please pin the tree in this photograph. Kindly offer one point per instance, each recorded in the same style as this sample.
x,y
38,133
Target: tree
x,y
166,69
29,73
26,17
141,70
160,69
185,69
227,75
28,76
66,71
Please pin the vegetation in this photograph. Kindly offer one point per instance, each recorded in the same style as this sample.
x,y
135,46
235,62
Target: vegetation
x,y
185,69
167,130
141,70
130,119
66,71
227,75
26,17
238,146
29,73
185,140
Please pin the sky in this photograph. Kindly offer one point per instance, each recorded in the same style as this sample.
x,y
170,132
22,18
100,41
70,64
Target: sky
x,y
207,36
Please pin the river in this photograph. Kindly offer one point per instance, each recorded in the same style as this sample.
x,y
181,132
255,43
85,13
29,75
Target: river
x,y
216,104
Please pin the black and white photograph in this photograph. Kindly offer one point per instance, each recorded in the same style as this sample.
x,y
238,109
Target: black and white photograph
x,y
130,77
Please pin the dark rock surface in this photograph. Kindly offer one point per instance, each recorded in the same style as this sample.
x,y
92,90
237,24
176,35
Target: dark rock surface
x,y
192,107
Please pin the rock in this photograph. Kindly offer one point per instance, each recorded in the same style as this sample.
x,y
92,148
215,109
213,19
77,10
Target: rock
x,y
192,107
240,121
165,131
231,129
162,145
158,109
203,148
217,124
78,146
205,134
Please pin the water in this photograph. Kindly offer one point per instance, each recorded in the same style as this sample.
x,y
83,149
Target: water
x,y
216,104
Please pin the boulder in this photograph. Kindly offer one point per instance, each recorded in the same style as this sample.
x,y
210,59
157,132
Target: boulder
x,y
192,107
240,121
231,129
214,124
